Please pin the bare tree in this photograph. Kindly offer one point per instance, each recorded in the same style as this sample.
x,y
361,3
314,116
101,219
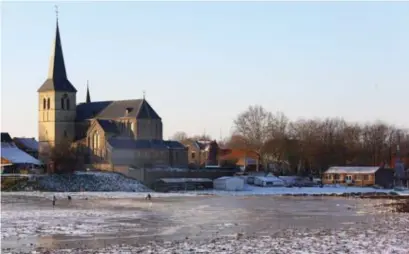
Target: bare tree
x,y
255,125
202,137
180,136
64,158
236,141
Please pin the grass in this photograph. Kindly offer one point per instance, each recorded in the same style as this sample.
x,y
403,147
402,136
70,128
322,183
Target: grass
x,y
8,183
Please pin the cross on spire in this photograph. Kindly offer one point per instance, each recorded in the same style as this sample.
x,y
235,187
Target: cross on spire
x,y
56,11
144,93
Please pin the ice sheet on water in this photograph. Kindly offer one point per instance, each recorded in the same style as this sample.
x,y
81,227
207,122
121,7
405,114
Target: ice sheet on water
x,y
63,221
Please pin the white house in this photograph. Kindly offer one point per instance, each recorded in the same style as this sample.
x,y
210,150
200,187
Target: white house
x,y
268,181
228,183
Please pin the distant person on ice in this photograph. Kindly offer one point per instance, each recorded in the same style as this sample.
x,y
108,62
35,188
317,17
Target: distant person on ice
x,y
54,199
148,197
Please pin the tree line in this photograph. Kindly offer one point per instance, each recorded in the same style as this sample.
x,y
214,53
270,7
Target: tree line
x,y
313,145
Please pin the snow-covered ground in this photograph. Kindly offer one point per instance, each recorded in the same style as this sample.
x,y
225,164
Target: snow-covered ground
x,y
386,239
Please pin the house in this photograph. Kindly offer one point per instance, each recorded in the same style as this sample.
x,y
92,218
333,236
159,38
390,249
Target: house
x,y
359,176
202,153
268,181
228,183
28,145
92,127
179,184
13,159
247,160
5,164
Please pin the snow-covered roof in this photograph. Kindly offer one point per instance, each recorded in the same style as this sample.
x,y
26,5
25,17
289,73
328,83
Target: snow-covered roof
x,y
352,170
17,156
269,178
185,180
223,178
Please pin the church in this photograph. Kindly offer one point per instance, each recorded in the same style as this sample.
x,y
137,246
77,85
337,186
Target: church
x,y
110,133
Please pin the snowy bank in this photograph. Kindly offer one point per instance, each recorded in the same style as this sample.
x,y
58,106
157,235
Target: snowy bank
x,y
250,190
86,181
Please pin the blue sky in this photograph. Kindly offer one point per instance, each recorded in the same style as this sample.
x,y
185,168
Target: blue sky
x,y
202,63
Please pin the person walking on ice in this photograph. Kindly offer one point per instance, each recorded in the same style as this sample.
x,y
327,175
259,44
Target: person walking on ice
x,y
54,199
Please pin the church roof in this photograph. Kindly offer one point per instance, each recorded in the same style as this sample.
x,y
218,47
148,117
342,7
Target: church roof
x,y
128,143
108,126
57,76
139,109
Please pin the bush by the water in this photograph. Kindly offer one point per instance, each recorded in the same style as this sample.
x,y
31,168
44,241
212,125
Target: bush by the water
x,y
88,181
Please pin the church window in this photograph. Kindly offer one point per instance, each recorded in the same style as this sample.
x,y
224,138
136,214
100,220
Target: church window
x,y
44,103
68,104
62,103
48,103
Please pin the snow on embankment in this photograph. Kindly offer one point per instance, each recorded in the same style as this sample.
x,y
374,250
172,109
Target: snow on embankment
x,y
89,181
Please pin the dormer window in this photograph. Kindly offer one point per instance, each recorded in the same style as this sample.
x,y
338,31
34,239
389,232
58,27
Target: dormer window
x,y
128,110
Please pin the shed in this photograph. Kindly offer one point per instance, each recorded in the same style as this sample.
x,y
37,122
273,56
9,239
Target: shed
x,y
228,183
359,176
268,181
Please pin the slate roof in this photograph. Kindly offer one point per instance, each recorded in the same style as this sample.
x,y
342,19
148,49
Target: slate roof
x,y
122,143
57,76
174,144
29,143
108,126
5,137
90,110
139,109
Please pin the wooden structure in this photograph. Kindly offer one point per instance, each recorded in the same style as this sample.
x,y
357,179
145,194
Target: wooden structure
x,y
359,176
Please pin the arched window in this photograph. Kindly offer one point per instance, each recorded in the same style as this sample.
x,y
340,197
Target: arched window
x,y
68,104
95,141
48,103
62,103
44,103
65,134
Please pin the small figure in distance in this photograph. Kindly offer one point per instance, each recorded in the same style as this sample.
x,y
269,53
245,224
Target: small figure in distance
x,y
69,198
148,197
54,199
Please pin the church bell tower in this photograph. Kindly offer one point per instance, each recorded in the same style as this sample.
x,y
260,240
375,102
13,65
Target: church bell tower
x,y
56,103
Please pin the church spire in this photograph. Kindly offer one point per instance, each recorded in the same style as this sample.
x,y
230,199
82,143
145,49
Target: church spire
x,y
56,69
88,100
57,76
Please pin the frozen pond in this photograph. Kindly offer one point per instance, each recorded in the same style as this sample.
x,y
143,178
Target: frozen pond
x,y
29,222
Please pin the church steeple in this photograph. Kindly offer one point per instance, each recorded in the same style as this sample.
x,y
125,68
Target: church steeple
x,y
88,100
57,76
56,69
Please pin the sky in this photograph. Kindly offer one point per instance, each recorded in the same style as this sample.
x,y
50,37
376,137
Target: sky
x,y
203,63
